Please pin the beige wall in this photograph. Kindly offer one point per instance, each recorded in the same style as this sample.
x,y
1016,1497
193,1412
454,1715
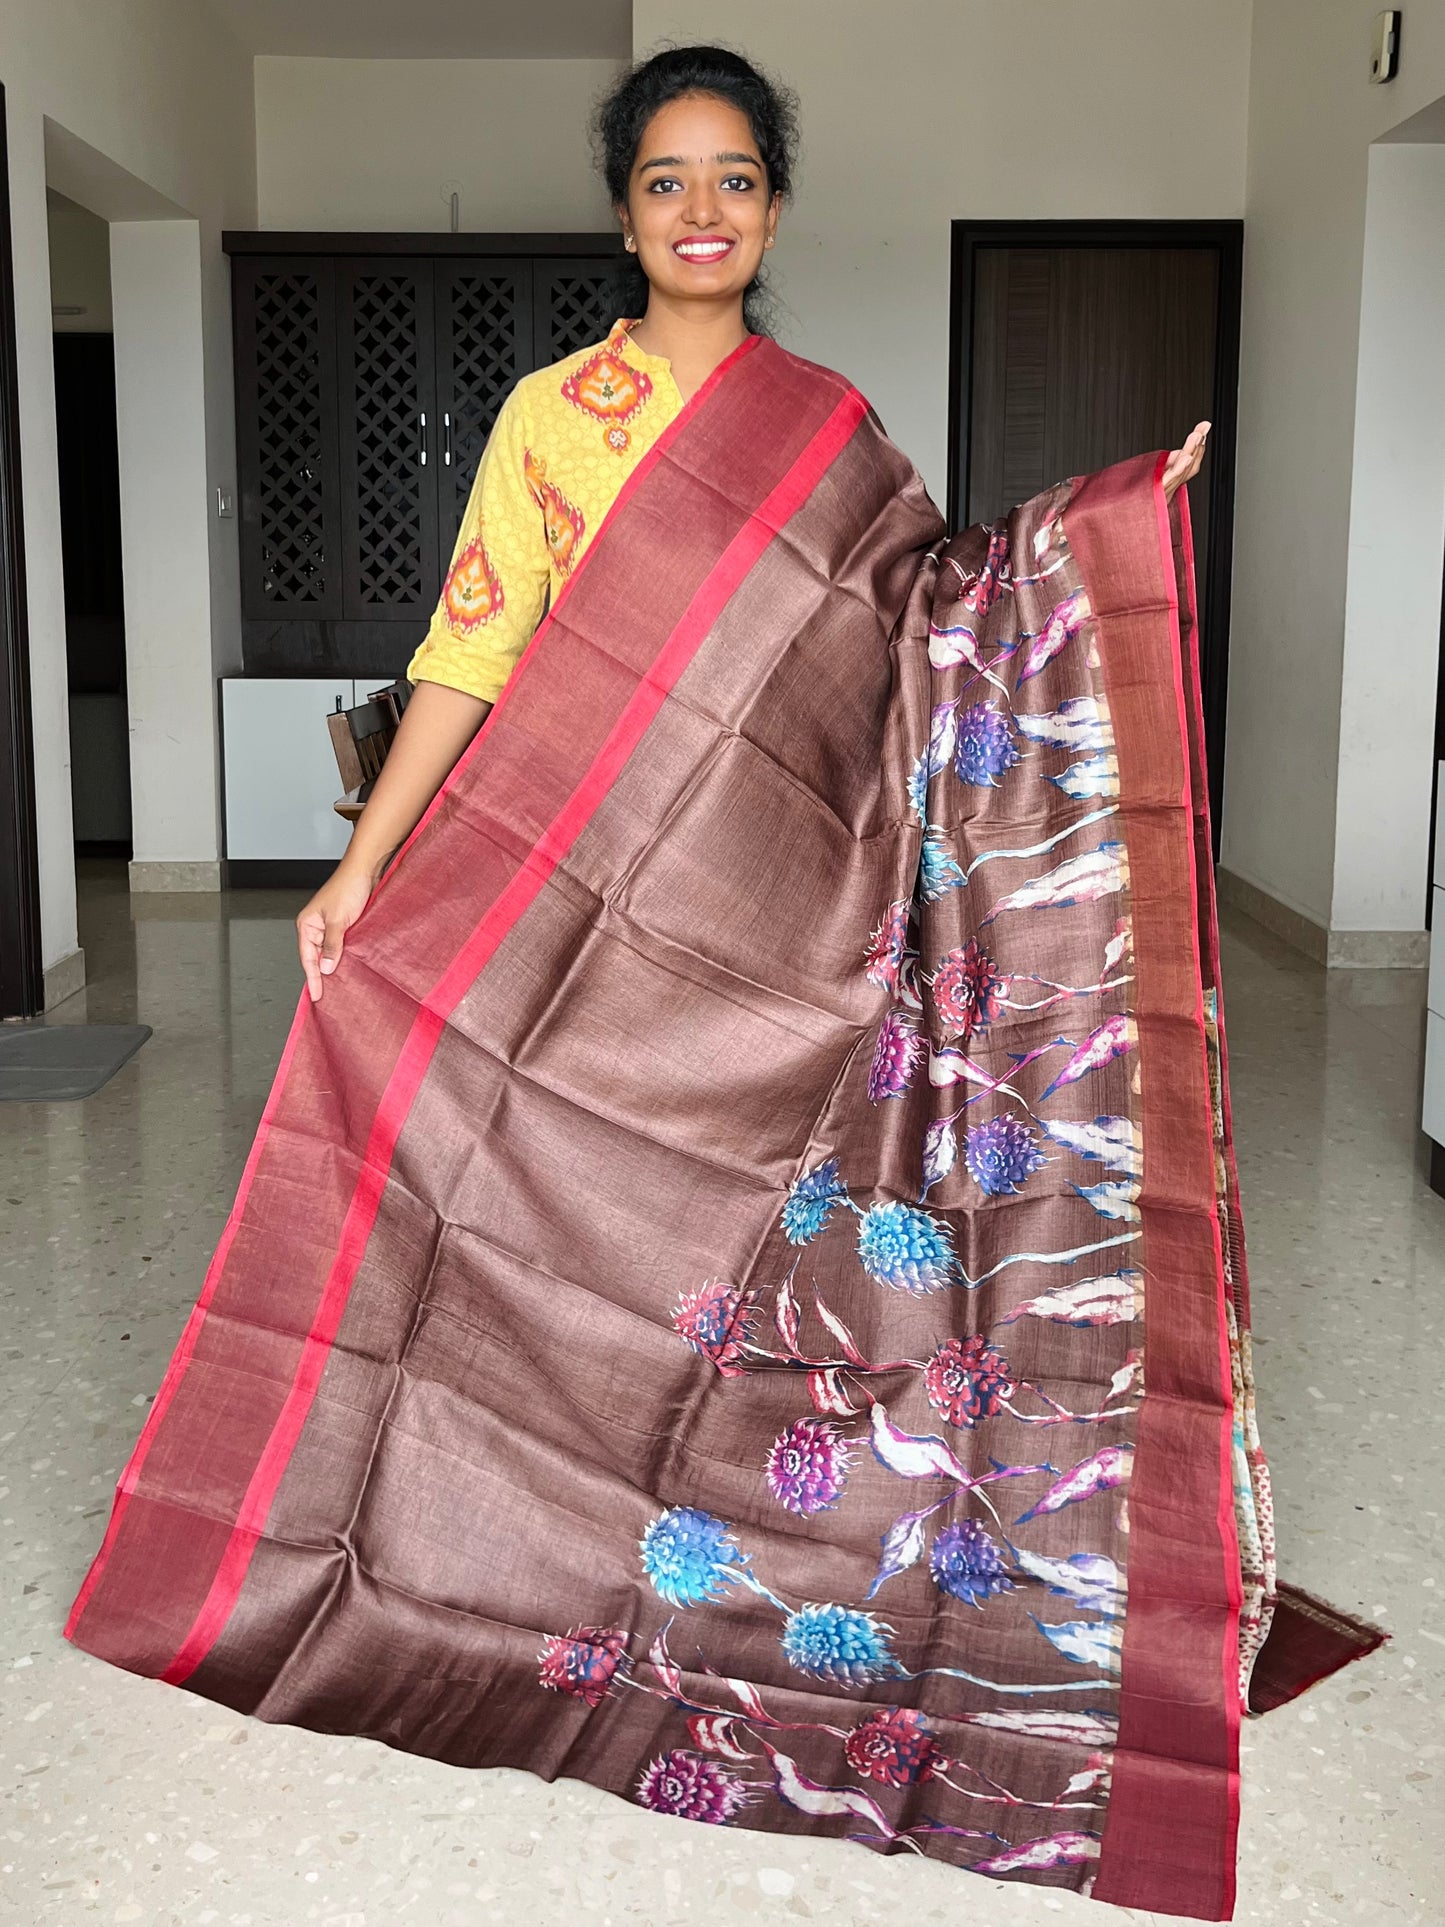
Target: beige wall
x,y
148,106
924,111
79,268
381,143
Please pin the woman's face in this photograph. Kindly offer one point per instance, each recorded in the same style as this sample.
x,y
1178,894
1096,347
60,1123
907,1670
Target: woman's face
x,y
698,205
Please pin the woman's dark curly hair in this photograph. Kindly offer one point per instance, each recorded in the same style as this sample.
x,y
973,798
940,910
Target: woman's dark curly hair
x,y
630,103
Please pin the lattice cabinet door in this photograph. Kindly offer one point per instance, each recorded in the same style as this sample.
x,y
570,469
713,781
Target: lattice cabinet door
x,y
574,304
391,439
286,424
484,342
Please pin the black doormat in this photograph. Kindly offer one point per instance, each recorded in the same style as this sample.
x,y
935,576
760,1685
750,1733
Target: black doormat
x,y
40,1063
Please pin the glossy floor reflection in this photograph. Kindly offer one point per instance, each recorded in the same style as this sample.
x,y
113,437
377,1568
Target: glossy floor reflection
x,y
129,1801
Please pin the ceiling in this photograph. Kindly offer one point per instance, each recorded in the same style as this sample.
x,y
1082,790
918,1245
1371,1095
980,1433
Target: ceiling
x,y
432,29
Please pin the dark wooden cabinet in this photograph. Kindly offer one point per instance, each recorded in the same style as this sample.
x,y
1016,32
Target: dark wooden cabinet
x,y
287,450
369,373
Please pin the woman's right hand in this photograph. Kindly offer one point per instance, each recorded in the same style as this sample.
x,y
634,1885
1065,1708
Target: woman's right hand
x,y
322,925
435,728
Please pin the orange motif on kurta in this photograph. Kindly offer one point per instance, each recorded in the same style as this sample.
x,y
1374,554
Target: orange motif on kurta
x,y
472,591
605,387
562,522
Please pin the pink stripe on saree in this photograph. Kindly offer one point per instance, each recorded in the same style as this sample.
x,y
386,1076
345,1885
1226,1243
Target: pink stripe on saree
x,y
737,1295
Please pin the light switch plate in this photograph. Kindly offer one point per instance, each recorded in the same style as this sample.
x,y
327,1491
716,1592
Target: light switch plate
x,y
225,503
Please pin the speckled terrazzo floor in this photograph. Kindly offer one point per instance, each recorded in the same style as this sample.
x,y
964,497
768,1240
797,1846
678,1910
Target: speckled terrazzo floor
x,y
129,1801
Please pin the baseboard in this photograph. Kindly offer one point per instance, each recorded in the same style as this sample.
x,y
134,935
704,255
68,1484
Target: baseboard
x,y
64,979
161,876
1336,949
1379,950
1299,931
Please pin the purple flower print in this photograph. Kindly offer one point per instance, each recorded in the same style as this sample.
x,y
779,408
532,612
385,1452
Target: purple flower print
x,y
896,1056
967,1564
894,1747
582,1662
692,1787
968,989
1001,1155
967,1380
985,747
808,1466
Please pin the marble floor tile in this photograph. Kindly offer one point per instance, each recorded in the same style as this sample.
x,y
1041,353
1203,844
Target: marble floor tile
x,y
128,1802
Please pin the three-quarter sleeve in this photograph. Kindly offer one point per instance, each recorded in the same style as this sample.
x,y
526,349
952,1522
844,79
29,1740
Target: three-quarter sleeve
x,y
496,586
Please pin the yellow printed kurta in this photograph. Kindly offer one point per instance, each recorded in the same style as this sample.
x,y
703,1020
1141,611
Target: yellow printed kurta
x,y
565,440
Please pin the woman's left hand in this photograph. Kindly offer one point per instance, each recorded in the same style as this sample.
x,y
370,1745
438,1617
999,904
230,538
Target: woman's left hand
x,y
1184,463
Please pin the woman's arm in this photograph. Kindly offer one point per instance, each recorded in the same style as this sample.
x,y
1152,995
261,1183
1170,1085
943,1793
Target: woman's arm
x,y
491,602
435,728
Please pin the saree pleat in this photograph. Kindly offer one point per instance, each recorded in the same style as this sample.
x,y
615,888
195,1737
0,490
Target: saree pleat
x,y
738,1294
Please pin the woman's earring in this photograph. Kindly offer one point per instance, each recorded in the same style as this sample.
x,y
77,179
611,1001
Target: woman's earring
x,y
629,244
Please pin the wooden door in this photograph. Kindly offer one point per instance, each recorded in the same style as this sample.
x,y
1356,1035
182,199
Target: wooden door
x,y
1078,344
286,438
391,438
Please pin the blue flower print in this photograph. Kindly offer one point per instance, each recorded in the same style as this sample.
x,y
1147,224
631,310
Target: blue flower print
x,y
838,1644
690,1556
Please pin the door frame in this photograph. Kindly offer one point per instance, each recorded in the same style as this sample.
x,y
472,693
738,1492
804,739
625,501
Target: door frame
x,y
1228,238
22,975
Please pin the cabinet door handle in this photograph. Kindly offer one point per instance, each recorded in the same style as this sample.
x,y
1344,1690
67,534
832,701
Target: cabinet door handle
x,y
421,422
447,438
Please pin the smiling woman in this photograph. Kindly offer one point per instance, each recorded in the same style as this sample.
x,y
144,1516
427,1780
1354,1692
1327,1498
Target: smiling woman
x,y
738,1293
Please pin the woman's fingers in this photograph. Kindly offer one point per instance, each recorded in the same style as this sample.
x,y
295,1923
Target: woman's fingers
x,y
322,924
310,930
1185,463
331,944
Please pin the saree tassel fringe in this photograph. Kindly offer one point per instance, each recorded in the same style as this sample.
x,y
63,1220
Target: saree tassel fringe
x,y
738,1293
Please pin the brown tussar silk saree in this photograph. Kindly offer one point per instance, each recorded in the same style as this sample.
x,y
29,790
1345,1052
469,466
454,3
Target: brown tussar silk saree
x,y
738,1294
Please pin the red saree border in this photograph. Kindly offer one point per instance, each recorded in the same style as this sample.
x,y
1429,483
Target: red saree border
x,y
761,526
186,1345
1170,1834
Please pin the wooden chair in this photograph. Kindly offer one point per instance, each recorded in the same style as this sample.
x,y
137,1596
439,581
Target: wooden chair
x,y
360,738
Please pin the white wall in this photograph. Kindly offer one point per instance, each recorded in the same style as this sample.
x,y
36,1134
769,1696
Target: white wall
x,y
1396,551
159,92
379,144
925,111
1313,114
160,407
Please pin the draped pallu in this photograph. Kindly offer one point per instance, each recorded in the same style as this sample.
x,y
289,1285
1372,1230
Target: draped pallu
x,y
737,1294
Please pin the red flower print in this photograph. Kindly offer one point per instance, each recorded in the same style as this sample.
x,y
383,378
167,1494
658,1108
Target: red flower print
x,y
895,1748
968,989
582,1663
967,1380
